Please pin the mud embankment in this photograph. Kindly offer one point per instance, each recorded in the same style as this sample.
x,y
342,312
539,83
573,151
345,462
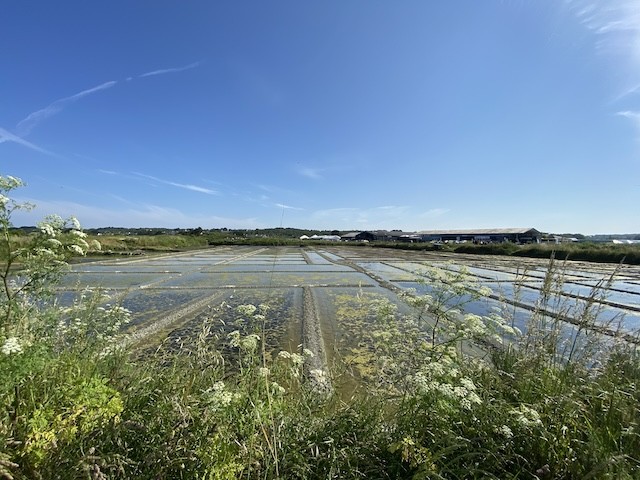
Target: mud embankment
x,y
315,366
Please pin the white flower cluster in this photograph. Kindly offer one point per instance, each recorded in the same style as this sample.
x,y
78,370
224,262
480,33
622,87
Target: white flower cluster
x,y
474,326
53,226
218,397
248,343
74,223
47,229
295,359
526,416
9,183
76,249
319,376
505,431
444,379
277,389
11,346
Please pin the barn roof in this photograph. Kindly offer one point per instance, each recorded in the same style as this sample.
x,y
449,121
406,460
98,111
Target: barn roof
x,y
483,231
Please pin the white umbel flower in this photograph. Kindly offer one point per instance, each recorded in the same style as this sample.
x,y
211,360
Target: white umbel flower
x,y
11,345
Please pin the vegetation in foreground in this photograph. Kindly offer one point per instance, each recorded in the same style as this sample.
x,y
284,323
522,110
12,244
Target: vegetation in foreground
x,y
551,403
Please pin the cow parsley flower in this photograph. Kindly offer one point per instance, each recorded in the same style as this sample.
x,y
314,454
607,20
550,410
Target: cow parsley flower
x,y
526,416
320,376
76,249
277,388
75,224
297,359
47,229
218,396
250,342
234,338
505,431
11,345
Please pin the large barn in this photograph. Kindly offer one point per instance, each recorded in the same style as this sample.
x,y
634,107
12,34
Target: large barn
x,y
490,235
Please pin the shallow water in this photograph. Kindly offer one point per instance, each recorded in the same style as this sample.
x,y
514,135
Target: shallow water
x,y
155,287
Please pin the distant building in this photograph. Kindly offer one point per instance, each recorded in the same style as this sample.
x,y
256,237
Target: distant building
x,y
396,236
358,236
491,235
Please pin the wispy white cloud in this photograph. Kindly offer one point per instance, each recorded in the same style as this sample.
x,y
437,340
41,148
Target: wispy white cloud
x,y
287,207
310,172
163,71
186,186
108,172
633,116
6,136
28,123
616,25
274,190
434,212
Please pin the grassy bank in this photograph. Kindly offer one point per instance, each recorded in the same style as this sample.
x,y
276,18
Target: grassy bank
x,y
588,252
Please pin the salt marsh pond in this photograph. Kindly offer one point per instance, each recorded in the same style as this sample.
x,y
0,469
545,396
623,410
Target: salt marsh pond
x,y
171,296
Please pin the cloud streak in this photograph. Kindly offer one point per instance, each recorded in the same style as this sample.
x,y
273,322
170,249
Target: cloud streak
x,y
28,123
186,186
435,212
309,172
170,70
616,26
33,119
6,136
633,116
287,207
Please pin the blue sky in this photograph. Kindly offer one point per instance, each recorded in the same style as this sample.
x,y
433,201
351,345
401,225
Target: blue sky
x,y
332,115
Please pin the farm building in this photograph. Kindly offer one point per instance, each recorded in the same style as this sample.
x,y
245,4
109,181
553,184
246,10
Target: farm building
x,y
396,236
492,235
358,236
383,236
